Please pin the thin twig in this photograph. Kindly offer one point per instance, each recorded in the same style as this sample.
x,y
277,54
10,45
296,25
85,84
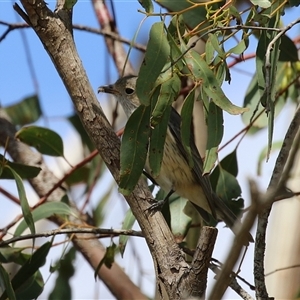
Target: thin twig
x,y
98,232
233,284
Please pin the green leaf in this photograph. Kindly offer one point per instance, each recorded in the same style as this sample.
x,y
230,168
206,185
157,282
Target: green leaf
x,y
24,171
267,71
24,202
230,164
156,56
215,129
294,3
134,148
209,50
127,225
147,5
44,211
66,270
227,187
168,94
180,221
108,259
69,4
5,284
44,140
32,287
261,3
252,101
239,48
213,40
24,112
157,143
210,85
29,268
288,50
78,176
192,17
12,254
263,155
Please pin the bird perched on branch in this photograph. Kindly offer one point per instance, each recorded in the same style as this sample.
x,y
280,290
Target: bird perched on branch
x,y
176,175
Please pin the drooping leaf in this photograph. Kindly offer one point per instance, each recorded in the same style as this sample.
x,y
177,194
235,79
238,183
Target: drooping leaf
x,y
294,3
228,187
157,143
44,211
13,254
156,56
261,3
32,287
108,259
252,99
215,129
147,5
5,284
168,94
159,122
24,171
263,155
213,40
192,17
288,50
180,222
127,224
210,85
239,48
229,190
62,288
78,176
30,267
134,148
230,164
44,140
24,112
266,61
24,202
69,4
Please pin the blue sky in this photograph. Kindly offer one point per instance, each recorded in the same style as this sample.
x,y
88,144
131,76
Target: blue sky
x,y
16,82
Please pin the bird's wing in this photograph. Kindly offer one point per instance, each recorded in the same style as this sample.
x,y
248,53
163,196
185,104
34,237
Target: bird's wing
x,y
197,169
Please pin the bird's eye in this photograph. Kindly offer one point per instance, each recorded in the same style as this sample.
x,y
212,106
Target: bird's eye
x,y
129,91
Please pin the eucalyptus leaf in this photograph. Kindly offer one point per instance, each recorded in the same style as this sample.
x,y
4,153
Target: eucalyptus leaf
x,y
45,211
134,148
24,112
127,224
215,129
6,285
44,140
24,171
156,56
26,211
209,83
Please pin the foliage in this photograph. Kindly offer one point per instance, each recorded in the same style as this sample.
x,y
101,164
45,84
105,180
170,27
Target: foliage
x,y
171,67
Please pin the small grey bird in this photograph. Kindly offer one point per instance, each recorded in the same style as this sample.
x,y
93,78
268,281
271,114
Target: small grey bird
x,y
176,174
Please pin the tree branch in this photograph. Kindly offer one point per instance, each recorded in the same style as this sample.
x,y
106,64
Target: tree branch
x,y
59,44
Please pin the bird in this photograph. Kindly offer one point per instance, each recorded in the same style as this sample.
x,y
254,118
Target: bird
x,y
176,174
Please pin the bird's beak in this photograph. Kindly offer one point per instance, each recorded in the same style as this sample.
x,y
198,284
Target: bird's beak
x,y
109,89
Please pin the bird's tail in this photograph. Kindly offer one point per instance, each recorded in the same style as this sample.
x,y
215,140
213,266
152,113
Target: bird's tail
x,y
230,219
